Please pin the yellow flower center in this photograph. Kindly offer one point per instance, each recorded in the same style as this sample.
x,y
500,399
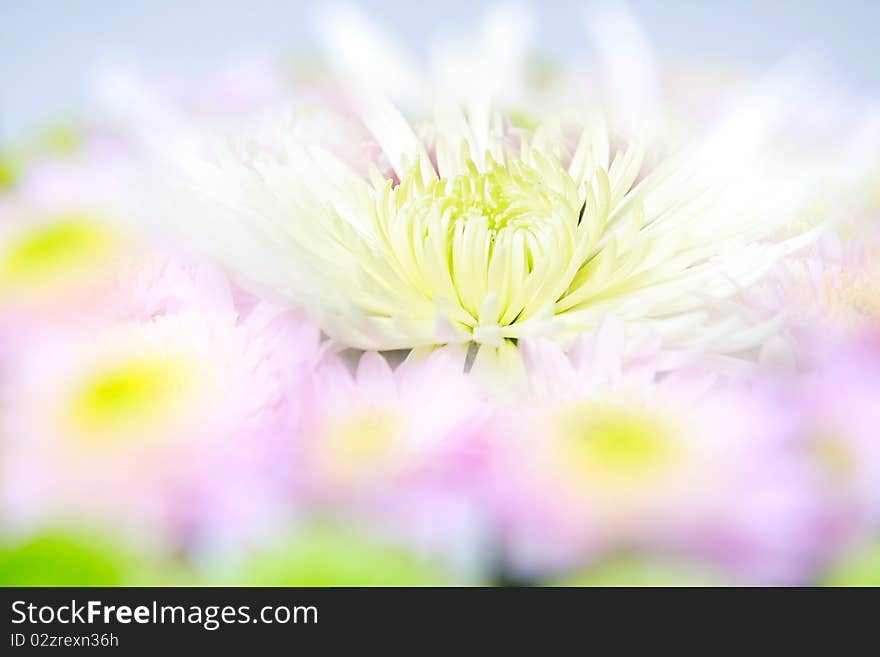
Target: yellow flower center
x,y
833,454
613,447
360,443
130,399
512,230
857,293
513,197
53,252
845,293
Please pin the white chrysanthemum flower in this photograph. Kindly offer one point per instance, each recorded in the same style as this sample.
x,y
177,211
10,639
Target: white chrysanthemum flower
x,y
487,234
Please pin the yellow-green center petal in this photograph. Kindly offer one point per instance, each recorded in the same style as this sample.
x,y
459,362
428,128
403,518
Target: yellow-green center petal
x,y
54,250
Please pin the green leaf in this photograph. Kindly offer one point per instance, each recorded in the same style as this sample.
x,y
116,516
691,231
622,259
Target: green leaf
x,y
860,567
60,558
329,556
633,570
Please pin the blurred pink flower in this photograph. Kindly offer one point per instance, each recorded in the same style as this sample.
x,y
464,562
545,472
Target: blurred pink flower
x,y
399,451
160,427
62,246
70,263
839,415
660,465
828,291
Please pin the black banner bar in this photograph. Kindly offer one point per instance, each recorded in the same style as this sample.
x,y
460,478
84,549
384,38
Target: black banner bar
x,y
133,620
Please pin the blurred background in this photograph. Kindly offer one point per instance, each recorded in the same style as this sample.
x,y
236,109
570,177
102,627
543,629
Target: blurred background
x,y
50,51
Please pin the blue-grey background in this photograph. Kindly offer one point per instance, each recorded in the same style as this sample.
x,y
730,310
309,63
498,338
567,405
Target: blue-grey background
x,y
50,48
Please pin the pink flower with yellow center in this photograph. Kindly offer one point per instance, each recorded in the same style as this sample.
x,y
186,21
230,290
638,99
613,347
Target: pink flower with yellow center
x,y
830,288
703,471
839,418
399,450
161,426
58,264
63,249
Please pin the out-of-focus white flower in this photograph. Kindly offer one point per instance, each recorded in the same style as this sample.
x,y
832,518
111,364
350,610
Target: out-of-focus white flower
x,y
128,100
493,60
